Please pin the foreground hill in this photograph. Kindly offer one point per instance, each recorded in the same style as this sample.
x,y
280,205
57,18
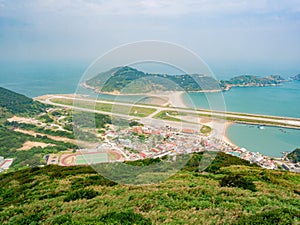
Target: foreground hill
x,y
231,191
128,80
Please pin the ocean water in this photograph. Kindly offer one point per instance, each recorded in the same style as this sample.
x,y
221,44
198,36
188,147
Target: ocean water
x,y
34,79
281,100
271,141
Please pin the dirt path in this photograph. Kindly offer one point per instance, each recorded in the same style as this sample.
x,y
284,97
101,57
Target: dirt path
x,y
30,144
57,138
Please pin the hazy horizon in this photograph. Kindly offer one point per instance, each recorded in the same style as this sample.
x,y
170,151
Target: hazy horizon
x,y
220,32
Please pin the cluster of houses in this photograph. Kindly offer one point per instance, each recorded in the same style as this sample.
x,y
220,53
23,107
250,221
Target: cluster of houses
x,y
141,142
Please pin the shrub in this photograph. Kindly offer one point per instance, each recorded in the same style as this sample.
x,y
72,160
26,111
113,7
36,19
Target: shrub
x,y
62,219
80,194
124,218
238,180
276,216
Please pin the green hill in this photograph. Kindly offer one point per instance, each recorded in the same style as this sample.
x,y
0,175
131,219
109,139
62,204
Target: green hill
x,y
17,104
231,191
128,80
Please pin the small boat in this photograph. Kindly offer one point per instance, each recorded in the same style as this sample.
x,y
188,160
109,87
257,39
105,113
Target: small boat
x,y
261,127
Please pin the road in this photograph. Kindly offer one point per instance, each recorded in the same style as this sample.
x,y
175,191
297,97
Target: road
x,y
239,117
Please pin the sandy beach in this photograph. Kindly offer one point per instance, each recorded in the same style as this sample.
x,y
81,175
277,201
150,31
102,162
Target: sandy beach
x,y
174,98
225,138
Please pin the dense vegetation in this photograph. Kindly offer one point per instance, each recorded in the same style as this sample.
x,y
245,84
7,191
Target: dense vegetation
x,y
129,80
78,195
15,103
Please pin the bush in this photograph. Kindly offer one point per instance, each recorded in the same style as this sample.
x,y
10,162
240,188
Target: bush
x,y
276,216
124,218
237,180
80,194
62,219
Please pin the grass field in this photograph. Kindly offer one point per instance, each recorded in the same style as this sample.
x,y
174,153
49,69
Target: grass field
x,y
167,115
91,158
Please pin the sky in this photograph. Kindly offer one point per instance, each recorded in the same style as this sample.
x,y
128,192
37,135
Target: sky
x,y
265,32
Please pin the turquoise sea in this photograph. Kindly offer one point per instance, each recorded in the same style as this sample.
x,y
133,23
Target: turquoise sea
x,y
271,141
278,101
34,79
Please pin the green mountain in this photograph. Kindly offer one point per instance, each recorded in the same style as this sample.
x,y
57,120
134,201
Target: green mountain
x,y
230,191
17,104
129,80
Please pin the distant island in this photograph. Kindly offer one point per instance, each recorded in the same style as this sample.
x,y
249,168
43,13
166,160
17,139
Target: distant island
x,y
129,80
296,77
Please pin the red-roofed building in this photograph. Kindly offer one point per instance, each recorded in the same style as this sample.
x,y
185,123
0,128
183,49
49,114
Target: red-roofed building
x,y
143,154
188,131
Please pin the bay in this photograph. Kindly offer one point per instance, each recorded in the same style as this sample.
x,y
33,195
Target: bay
x,y
270,141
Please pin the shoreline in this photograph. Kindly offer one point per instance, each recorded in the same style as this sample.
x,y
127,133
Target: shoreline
x,y
115,93
225,137
226,88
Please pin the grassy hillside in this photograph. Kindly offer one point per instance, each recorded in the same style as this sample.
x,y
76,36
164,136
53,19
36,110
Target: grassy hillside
x,y
231,191
14,103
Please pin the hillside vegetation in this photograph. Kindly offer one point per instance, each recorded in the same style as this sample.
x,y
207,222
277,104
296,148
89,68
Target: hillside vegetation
x,y
12,103
13,138
128,80
230,191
